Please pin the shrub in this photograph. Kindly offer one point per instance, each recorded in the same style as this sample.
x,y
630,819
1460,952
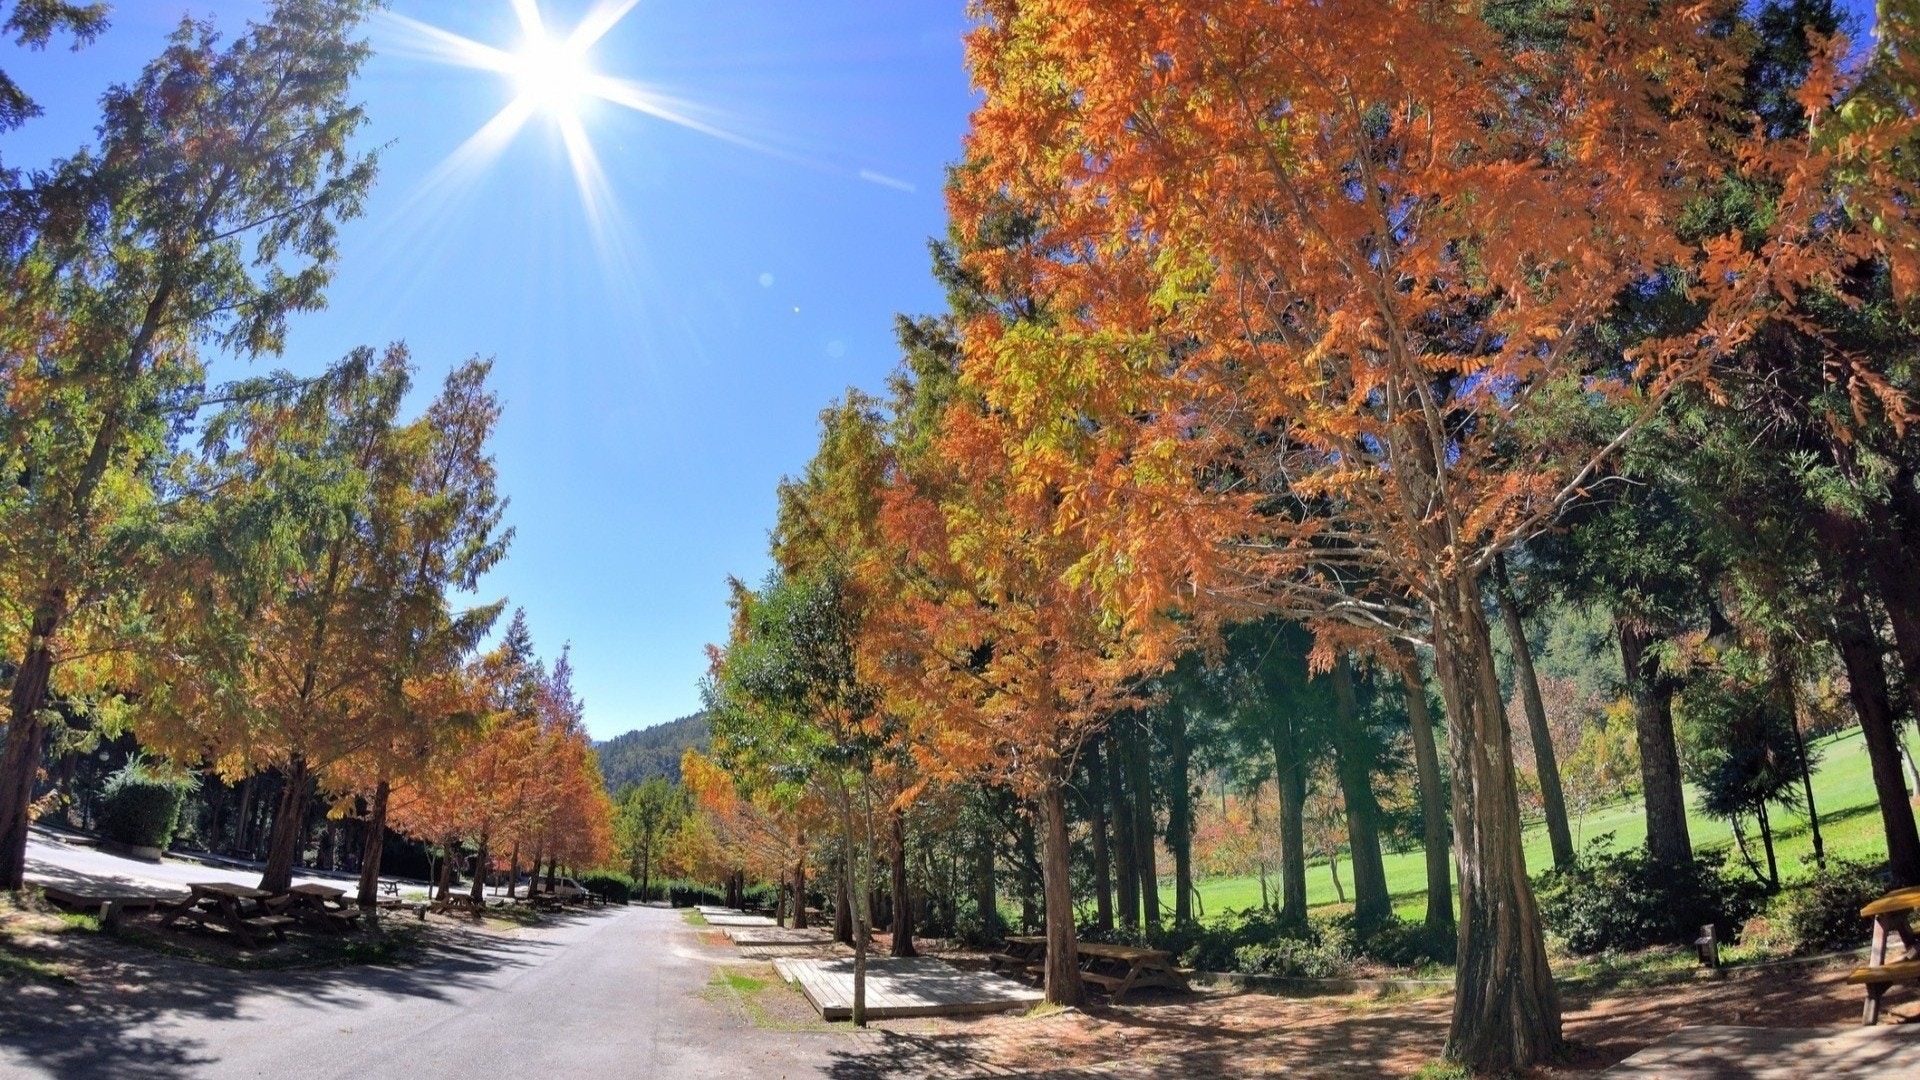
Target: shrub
x,y
141,804
615,888
1294,958
1822,913
1625,900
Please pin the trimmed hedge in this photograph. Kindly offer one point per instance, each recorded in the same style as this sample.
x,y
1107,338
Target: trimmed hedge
x,y
613,888
1626,900
140,805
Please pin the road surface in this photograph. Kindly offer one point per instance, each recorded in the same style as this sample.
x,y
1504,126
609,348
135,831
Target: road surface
x,y
607,993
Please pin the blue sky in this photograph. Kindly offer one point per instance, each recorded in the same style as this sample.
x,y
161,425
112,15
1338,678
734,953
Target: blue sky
x,y
662,371
664,365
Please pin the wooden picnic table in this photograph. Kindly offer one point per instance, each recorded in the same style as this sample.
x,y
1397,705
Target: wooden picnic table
x,y
239,910
1892,916
1117,969
323,907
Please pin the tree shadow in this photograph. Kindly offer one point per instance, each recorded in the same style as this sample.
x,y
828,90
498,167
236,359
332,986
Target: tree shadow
x,y
127,1016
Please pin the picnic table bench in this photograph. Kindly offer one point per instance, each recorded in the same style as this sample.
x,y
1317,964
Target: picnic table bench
x,y
245,913
1891,915
1116,969
322,907
460,902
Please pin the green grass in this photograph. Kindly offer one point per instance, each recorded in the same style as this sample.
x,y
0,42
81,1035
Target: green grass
x,y
694,918
764,1000
1842,791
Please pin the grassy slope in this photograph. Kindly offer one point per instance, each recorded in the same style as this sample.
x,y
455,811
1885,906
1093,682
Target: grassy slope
x,y
1842,791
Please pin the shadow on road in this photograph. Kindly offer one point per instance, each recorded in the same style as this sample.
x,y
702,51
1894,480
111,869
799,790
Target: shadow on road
x,y
121,1018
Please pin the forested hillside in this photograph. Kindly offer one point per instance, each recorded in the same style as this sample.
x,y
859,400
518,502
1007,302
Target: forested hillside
x,y
654,751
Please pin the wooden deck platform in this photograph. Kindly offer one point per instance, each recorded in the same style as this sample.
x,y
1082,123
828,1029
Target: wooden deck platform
x,y
1888,1052
775,937
897,989
125,898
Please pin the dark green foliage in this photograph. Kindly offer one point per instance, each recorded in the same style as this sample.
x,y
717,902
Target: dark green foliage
x,y
1626,900
656,751
1823,912
614,888
693,893
141,805
32,24
1258,942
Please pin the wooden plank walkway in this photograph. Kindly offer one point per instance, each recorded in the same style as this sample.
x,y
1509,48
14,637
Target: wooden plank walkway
x,y
1888,1052
775,937
897,989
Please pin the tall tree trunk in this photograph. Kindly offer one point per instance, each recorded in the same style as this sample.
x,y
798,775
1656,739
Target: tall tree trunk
x,y
26,731
513,871
446,874
1292,778
1128,884
1145,857
1789,699
1180,814
1031,874
1668,840
1372,906
1441,928
1333,866
1095,796
289,825
1859,646
1546,763
243,818
1766,840
1506,1010
985,899
800,884
481,859
842,909
374,846
862,916
1896,575
1063,985
902,897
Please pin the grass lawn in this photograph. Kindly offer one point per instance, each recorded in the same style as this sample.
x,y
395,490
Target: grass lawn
x,y
1842,791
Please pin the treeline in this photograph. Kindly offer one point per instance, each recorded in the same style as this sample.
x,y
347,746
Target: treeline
x,y
639,755
1272,364
255,580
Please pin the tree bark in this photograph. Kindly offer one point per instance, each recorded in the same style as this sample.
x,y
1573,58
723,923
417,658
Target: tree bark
x,y
374,847
984,898
1372,906
800,886
26,731
1860,651
1180,815
1441,928
289,824
1292,778
1668,840
478,890
902,899
1896,574
1145,858
1128,885
842,909
1789,698
1063,985
1546,762
1506,1010
1095,796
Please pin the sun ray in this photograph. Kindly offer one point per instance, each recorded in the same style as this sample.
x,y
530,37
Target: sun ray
x,y
446,47
598,22
531,24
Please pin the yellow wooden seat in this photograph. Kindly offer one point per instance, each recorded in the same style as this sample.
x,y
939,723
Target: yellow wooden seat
x,y
1886,974
1907,899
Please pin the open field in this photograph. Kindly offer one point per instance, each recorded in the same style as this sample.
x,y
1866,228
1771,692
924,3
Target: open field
x,y
1842,792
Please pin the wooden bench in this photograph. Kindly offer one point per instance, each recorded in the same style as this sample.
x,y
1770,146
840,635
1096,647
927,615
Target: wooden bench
x,y
1890,915
1878,978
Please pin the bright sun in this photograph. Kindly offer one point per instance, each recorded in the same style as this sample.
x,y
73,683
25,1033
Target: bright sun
x,y
552,75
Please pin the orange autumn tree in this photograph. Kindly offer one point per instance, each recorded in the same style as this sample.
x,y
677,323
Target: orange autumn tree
x,y
993,648
1313,289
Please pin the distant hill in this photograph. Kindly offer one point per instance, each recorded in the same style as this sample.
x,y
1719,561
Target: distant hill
x,y
654,751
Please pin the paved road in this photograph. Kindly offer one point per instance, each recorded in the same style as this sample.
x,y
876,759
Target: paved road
x,y
609,993
52,861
